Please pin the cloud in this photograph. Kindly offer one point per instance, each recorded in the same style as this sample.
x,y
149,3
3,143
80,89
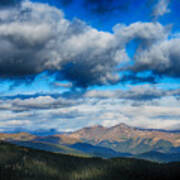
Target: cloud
x,y
156,53
145,34
38,111
140,94
46,102
137,93
162,59
161,8
64,85
5,3
24,37
35,37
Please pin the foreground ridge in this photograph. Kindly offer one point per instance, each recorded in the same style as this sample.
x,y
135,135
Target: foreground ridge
x,y
25,163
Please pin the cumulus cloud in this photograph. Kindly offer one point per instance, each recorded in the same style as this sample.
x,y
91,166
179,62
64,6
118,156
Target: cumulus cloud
x,y
146,33
36,103
161,8
156,53
36,37
162,59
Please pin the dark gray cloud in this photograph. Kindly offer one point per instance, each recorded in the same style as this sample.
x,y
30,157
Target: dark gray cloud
x,y
36,37
162,59
5,3
48,42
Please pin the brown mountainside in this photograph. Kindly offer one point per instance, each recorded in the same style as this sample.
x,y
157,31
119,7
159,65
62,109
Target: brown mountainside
x,y
123,132
121,138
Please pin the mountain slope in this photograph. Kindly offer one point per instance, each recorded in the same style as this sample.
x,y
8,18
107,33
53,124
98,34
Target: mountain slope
x,y
57,148
28,164
123,138
97,150
97,140
159,157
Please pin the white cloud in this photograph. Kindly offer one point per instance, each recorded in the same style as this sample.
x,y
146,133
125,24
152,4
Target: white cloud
x,y
161,8
162,58
35,37
95,107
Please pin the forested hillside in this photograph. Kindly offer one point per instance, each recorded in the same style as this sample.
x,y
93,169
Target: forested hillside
x,y
19,163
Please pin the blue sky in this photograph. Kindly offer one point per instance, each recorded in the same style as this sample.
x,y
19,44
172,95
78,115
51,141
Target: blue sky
x,y
66,64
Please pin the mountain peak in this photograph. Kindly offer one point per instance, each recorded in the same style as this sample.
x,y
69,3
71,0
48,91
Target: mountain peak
x,y
121,126
97,126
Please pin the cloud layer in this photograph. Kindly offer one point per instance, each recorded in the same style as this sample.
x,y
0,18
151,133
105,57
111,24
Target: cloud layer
x,y
36,37
106,107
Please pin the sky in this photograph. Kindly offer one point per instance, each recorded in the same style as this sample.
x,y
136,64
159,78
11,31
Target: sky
x,y
67,64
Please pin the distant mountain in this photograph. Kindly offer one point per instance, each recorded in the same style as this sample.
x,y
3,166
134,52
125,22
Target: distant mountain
x,y
38,132
123,138
17,136
117,141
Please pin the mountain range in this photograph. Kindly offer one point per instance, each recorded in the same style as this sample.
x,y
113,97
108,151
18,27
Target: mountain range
x,y
116,141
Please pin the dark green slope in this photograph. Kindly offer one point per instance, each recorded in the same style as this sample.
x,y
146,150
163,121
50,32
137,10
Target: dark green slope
x,y
98,151
20,163
57,148
160,157
82,149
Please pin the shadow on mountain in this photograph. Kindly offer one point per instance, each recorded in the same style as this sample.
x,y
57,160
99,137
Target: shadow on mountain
x,y
27,164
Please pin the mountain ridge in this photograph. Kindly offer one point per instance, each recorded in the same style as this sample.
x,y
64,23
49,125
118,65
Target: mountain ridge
x,y
22,163
120,138
124,133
